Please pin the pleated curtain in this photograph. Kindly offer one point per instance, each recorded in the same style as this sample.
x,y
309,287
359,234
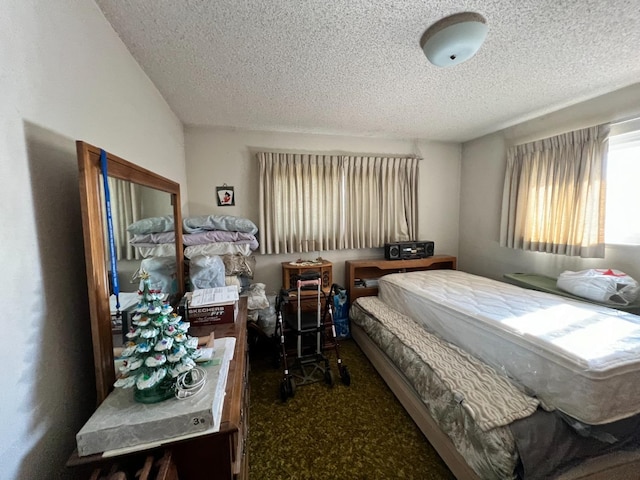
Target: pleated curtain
x,y
554,194
125,209
315,202
382,203
301,202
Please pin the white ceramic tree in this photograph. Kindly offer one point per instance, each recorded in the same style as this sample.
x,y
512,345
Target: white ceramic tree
x,y
159,349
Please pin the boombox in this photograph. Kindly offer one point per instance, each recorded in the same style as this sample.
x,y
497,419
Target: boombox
x,y
408,250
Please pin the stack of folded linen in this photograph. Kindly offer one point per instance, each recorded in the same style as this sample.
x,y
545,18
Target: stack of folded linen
x,y
231,238
205,238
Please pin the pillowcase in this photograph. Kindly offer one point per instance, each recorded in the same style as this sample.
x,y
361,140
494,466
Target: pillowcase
x,y
219,222
152,225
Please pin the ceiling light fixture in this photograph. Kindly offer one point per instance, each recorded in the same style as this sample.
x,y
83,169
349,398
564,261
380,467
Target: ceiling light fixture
x,y
454,39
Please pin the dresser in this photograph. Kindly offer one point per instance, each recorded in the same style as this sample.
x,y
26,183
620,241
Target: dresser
x,y
214,456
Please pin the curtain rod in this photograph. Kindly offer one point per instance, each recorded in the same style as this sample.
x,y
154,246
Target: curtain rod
x,y
339,153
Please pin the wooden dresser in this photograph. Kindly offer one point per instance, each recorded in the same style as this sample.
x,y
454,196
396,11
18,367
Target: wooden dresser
x,y
220,455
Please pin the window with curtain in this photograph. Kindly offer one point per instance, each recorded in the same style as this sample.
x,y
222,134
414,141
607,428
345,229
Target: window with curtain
x,y
554,194
315,202
623,172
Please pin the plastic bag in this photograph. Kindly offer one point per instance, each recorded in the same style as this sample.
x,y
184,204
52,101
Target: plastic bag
x,y
267,317
605,286
206,271
257,298
162,273
341,313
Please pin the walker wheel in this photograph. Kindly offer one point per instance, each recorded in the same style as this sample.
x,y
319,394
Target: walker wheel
x,y
292,387
284,390
345,376
328,378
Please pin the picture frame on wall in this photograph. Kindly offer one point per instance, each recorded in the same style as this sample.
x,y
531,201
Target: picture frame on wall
x,y
225,196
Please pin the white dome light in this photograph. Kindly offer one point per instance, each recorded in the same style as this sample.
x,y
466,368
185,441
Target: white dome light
x,y
454,39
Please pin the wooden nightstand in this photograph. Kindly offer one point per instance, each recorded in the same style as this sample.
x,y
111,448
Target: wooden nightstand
x,y
291,272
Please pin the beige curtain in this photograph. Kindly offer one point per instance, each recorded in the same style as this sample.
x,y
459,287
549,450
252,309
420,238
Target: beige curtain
x,y
312,202
301,201
382,200
554,194
125,209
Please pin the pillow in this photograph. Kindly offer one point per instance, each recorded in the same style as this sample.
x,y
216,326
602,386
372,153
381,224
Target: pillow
x,y
152,225
219,222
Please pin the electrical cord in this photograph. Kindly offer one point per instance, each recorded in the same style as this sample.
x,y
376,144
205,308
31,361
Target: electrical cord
x,y
190,383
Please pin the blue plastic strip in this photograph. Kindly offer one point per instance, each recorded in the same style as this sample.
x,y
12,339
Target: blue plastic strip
x,y
112,242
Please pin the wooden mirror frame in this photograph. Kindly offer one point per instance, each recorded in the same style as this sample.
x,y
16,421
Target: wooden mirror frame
x,y
96,251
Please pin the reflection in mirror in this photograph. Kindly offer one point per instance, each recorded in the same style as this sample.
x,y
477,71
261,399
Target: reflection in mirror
x,y
131,203
147,194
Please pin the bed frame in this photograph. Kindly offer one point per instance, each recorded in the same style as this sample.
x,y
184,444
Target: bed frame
x,y
617,465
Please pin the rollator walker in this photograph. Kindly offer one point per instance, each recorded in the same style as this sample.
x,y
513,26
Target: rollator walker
x,y
304,332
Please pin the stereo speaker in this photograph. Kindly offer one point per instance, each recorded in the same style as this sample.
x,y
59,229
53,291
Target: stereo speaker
x,y
408,250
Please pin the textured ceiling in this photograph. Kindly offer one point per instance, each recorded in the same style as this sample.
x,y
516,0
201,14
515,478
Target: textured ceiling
x,y
355,67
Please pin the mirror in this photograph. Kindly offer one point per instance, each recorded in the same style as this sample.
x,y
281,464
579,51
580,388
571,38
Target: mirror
x,y
156,190
131,204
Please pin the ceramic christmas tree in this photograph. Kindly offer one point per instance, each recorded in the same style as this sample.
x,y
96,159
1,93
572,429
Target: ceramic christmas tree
x,y
159,349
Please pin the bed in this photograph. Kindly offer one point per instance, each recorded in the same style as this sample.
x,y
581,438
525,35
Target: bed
x,y
498,399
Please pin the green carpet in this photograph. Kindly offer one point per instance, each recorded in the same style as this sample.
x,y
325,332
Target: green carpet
x,y
355,432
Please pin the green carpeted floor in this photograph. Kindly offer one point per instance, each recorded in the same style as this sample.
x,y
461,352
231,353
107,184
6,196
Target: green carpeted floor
x,y
355,432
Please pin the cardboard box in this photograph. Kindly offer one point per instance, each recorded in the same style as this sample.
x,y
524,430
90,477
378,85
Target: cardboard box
x,y
203,319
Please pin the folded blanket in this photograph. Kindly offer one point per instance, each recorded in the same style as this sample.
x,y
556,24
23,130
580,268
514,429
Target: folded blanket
x,y
218,222
201,238
220,248
214,236
150,239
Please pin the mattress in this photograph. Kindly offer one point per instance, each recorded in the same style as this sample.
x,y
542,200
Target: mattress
x,y
579,358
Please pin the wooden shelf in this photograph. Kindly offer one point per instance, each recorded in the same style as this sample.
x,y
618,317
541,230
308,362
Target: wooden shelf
x,y
376,268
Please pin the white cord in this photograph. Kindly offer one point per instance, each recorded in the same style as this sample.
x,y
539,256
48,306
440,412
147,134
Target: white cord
x,y
190,383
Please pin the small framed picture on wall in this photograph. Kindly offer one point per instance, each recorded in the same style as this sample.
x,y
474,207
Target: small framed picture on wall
x,y
226,197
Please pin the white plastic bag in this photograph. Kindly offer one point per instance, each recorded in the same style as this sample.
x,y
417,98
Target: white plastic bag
x,y
206,271
162,273
606,286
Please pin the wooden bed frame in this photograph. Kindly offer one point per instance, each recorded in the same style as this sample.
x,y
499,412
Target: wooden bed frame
x,y
617,465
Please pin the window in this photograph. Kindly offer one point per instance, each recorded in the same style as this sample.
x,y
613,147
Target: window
x,y
623,194
554,194
314,202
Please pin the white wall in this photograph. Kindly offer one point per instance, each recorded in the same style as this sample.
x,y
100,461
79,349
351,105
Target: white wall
x,y
65,75
216,156
483,167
